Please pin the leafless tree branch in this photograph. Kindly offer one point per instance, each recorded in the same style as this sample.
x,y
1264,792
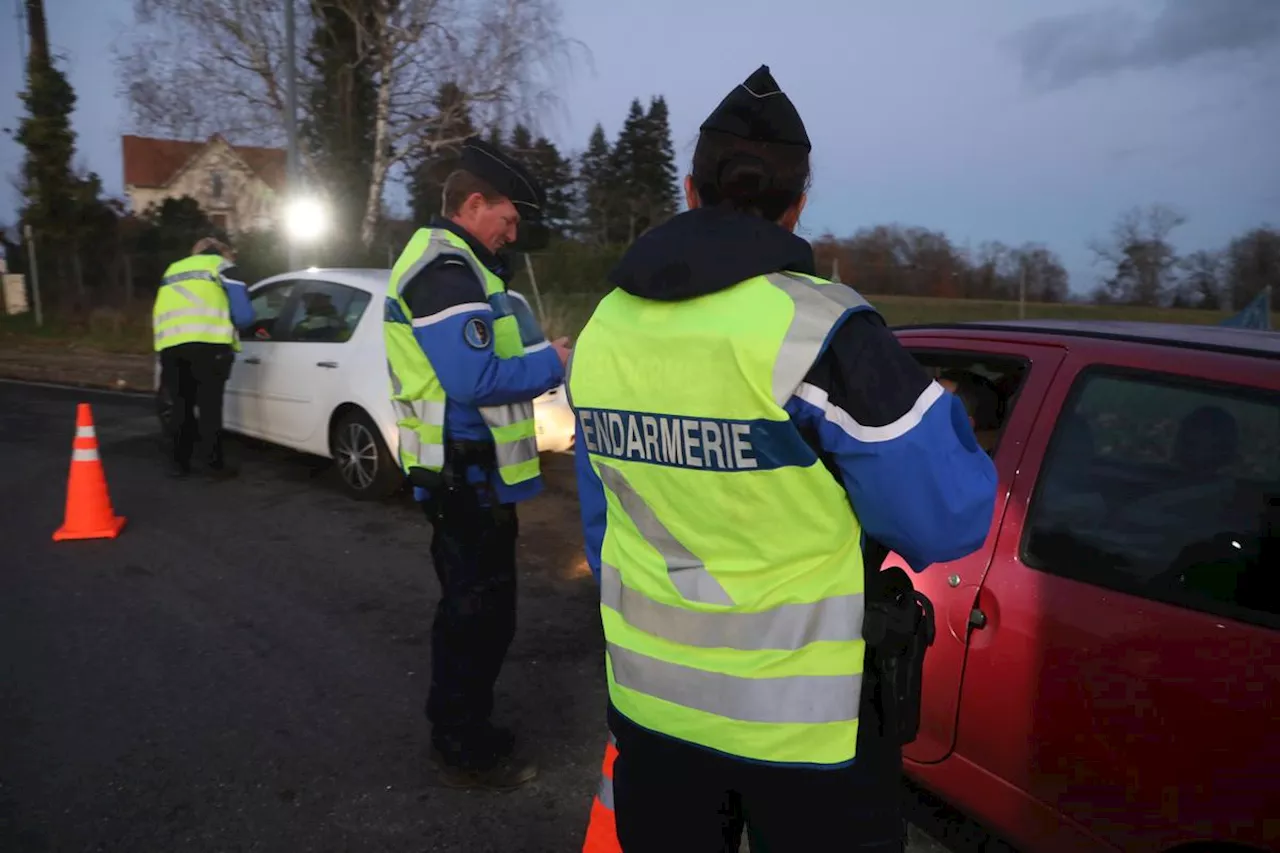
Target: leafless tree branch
x,y
192,67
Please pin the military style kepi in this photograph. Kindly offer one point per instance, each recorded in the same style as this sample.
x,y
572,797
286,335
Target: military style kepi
x,y
500,171
758,110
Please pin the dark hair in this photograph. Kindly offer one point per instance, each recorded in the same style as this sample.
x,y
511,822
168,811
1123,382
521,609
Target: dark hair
x,y
460,186
764,178
980,397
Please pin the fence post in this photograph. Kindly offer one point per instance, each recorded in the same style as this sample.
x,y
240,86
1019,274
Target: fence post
x,y
128,278
35,274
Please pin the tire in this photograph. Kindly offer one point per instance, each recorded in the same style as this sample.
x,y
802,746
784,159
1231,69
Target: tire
x,y
364,466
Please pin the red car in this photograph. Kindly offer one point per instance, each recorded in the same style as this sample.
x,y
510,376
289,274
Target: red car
x,y
1106,673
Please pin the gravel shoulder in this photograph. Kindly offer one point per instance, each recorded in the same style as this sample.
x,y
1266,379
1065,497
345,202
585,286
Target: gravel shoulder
x,y
35,360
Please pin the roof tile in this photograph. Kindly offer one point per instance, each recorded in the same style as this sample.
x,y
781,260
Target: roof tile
x,y
152,162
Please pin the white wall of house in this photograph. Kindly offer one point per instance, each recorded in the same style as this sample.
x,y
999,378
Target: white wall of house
x,y
230,193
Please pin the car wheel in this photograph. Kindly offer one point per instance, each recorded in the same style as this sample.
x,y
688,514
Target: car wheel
x,y
365,467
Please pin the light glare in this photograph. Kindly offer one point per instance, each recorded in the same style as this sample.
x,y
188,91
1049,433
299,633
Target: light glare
x,y
305,220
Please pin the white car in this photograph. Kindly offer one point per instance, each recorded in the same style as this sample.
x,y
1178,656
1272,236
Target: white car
x,y
312,376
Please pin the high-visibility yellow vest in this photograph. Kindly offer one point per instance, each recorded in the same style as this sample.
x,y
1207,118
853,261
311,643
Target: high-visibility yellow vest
x,y
731,576
191,306
416,391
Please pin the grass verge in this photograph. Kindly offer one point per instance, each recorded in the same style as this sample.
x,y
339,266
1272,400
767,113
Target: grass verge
x,y
127,332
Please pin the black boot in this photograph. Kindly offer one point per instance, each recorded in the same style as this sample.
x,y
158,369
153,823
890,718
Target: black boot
x,y
482,757
223,471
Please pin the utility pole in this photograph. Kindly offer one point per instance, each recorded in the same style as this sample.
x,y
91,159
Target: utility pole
x,y
292,190
19,31
533,282
37,58
1022,290
37,33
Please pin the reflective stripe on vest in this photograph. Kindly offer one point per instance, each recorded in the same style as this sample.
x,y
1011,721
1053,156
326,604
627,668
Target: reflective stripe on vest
x,y
191,305
731,576
414,380
602,826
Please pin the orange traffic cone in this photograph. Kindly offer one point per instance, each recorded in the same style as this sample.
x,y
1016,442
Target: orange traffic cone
x,y
602,827
89,511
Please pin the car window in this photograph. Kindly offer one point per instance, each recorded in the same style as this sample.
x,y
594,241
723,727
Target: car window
x,y
325,313
530,331
268,301
1164,487
987,384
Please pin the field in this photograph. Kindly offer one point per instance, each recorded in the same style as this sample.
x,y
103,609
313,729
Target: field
x,y
120,331
566,314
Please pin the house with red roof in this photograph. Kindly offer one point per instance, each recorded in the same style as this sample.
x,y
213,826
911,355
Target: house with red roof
x,y
237,186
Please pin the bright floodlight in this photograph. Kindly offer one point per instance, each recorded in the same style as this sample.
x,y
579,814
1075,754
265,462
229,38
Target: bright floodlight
x,y
305,219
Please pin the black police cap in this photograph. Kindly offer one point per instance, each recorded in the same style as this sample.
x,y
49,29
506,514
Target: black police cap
x,y
500,171
758,110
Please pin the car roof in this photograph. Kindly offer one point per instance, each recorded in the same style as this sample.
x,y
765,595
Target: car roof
x,y
368,279
1175,335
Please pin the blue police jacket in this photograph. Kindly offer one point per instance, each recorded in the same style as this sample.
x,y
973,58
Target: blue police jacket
x,y
242,313
449,294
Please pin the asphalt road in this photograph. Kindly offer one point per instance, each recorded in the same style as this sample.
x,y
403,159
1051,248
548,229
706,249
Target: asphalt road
x,y
244,668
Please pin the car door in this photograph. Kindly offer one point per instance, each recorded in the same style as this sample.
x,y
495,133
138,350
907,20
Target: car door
x,y
244,405
1126,680
312,362
953,587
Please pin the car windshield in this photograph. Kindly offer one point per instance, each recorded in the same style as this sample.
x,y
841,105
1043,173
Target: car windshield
x,y
530,331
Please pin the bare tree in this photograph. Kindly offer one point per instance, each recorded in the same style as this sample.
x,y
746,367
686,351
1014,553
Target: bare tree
x,y
901,259
1140,261
989,275
1202,284
1252,263
1047,279
193,66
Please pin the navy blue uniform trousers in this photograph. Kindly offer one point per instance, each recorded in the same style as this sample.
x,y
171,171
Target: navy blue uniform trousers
x,y
473,548
673,797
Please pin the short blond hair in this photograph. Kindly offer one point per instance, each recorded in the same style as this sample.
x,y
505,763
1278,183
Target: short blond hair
x,y
206,244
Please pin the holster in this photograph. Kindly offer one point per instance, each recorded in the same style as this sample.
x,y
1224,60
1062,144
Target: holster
x,y
449,491
898,628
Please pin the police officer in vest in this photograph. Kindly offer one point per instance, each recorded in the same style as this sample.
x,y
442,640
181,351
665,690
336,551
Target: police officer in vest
x,y
197,310
753,425
463,386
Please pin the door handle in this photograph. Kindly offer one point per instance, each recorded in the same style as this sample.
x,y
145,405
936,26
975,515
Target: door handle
x,y
326,364
977,619
253,360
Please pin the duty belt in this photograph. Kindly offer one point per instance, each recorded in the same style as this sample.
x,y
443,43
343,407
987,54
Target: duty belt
x,y
461,455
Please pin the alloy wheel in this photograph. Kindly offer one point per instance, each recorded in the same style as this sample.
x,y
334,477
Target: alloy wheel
x,y
357,455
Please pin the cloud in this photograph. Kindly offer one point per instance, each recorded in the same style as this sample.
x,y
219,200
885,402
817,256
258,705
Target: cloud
x,y
1060,51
